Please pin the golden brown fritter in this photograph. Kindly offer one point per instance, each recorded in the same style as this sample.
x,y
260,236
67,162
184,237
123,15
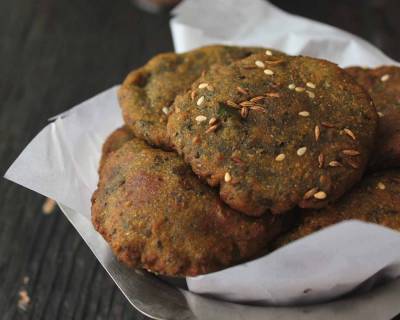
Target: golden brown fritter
x,y
275,132
147,93
114,142
383,85
375,199
156,214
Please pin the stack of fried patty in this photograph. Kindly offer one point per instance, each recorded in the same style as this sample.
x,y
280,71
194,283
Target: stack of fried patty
x,y
229,152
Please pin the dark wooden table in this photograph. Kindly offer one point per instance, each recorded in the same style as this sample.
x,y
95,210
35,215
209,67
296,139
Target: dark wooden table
x,y
54,54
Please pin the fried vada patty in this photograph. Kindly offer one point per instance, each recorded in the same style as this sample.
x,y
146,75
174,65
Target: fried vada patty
x,y
383,85
275,132
156,214
375,199
147,93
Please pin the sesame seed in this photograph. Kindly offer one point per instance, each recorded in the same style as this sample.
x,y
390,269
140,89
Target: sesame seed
x,y
310,94
291,86
257,108
381,186
201,118
260,64
299,89
280,157
241,90
227,177
258,98
385,77
304,113
380,114
317,133
203,85
165,110
350,152
268,52
212,121
321,160
200,101
320,195
273,94
351,163
310,193
310,85
246,103
232,104
335,163
244,112
268,72
212,128
301,151
349,133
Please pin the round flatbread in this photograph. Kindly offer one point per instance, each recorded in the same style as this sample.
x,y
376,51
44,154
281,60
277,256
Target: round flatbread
x,y
148,92
375,199
383,85
156,214
275,132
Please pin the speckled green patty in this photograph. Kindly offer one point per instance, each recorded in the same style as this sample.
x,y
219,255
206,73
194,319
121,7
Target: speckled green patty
x,y
383,85
147,93
156,214
375,199
275,132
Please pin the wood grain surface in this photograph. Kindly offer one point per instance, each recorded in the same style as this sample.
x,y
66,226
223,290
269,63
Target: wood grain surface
x,y
53,55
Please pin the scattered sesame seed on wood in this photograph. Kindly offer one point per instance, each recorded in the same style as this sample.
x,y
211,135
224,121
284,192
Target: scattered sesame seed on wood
x,y
268,52
310,85
291,86
48,206
258,98
200,101
380,114
24,300
320,195
227,177
299,89
257,108
280,157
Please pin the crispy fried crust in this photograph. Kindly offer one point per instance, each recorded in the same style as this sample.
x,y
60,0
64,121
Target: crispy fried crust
x,y
147,93
156,214
275,132
383,84
114,142
376,199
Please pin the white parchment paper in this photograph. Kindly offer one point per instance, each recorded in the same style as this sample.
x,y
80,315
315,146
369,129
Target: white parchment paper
x,y
61,162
